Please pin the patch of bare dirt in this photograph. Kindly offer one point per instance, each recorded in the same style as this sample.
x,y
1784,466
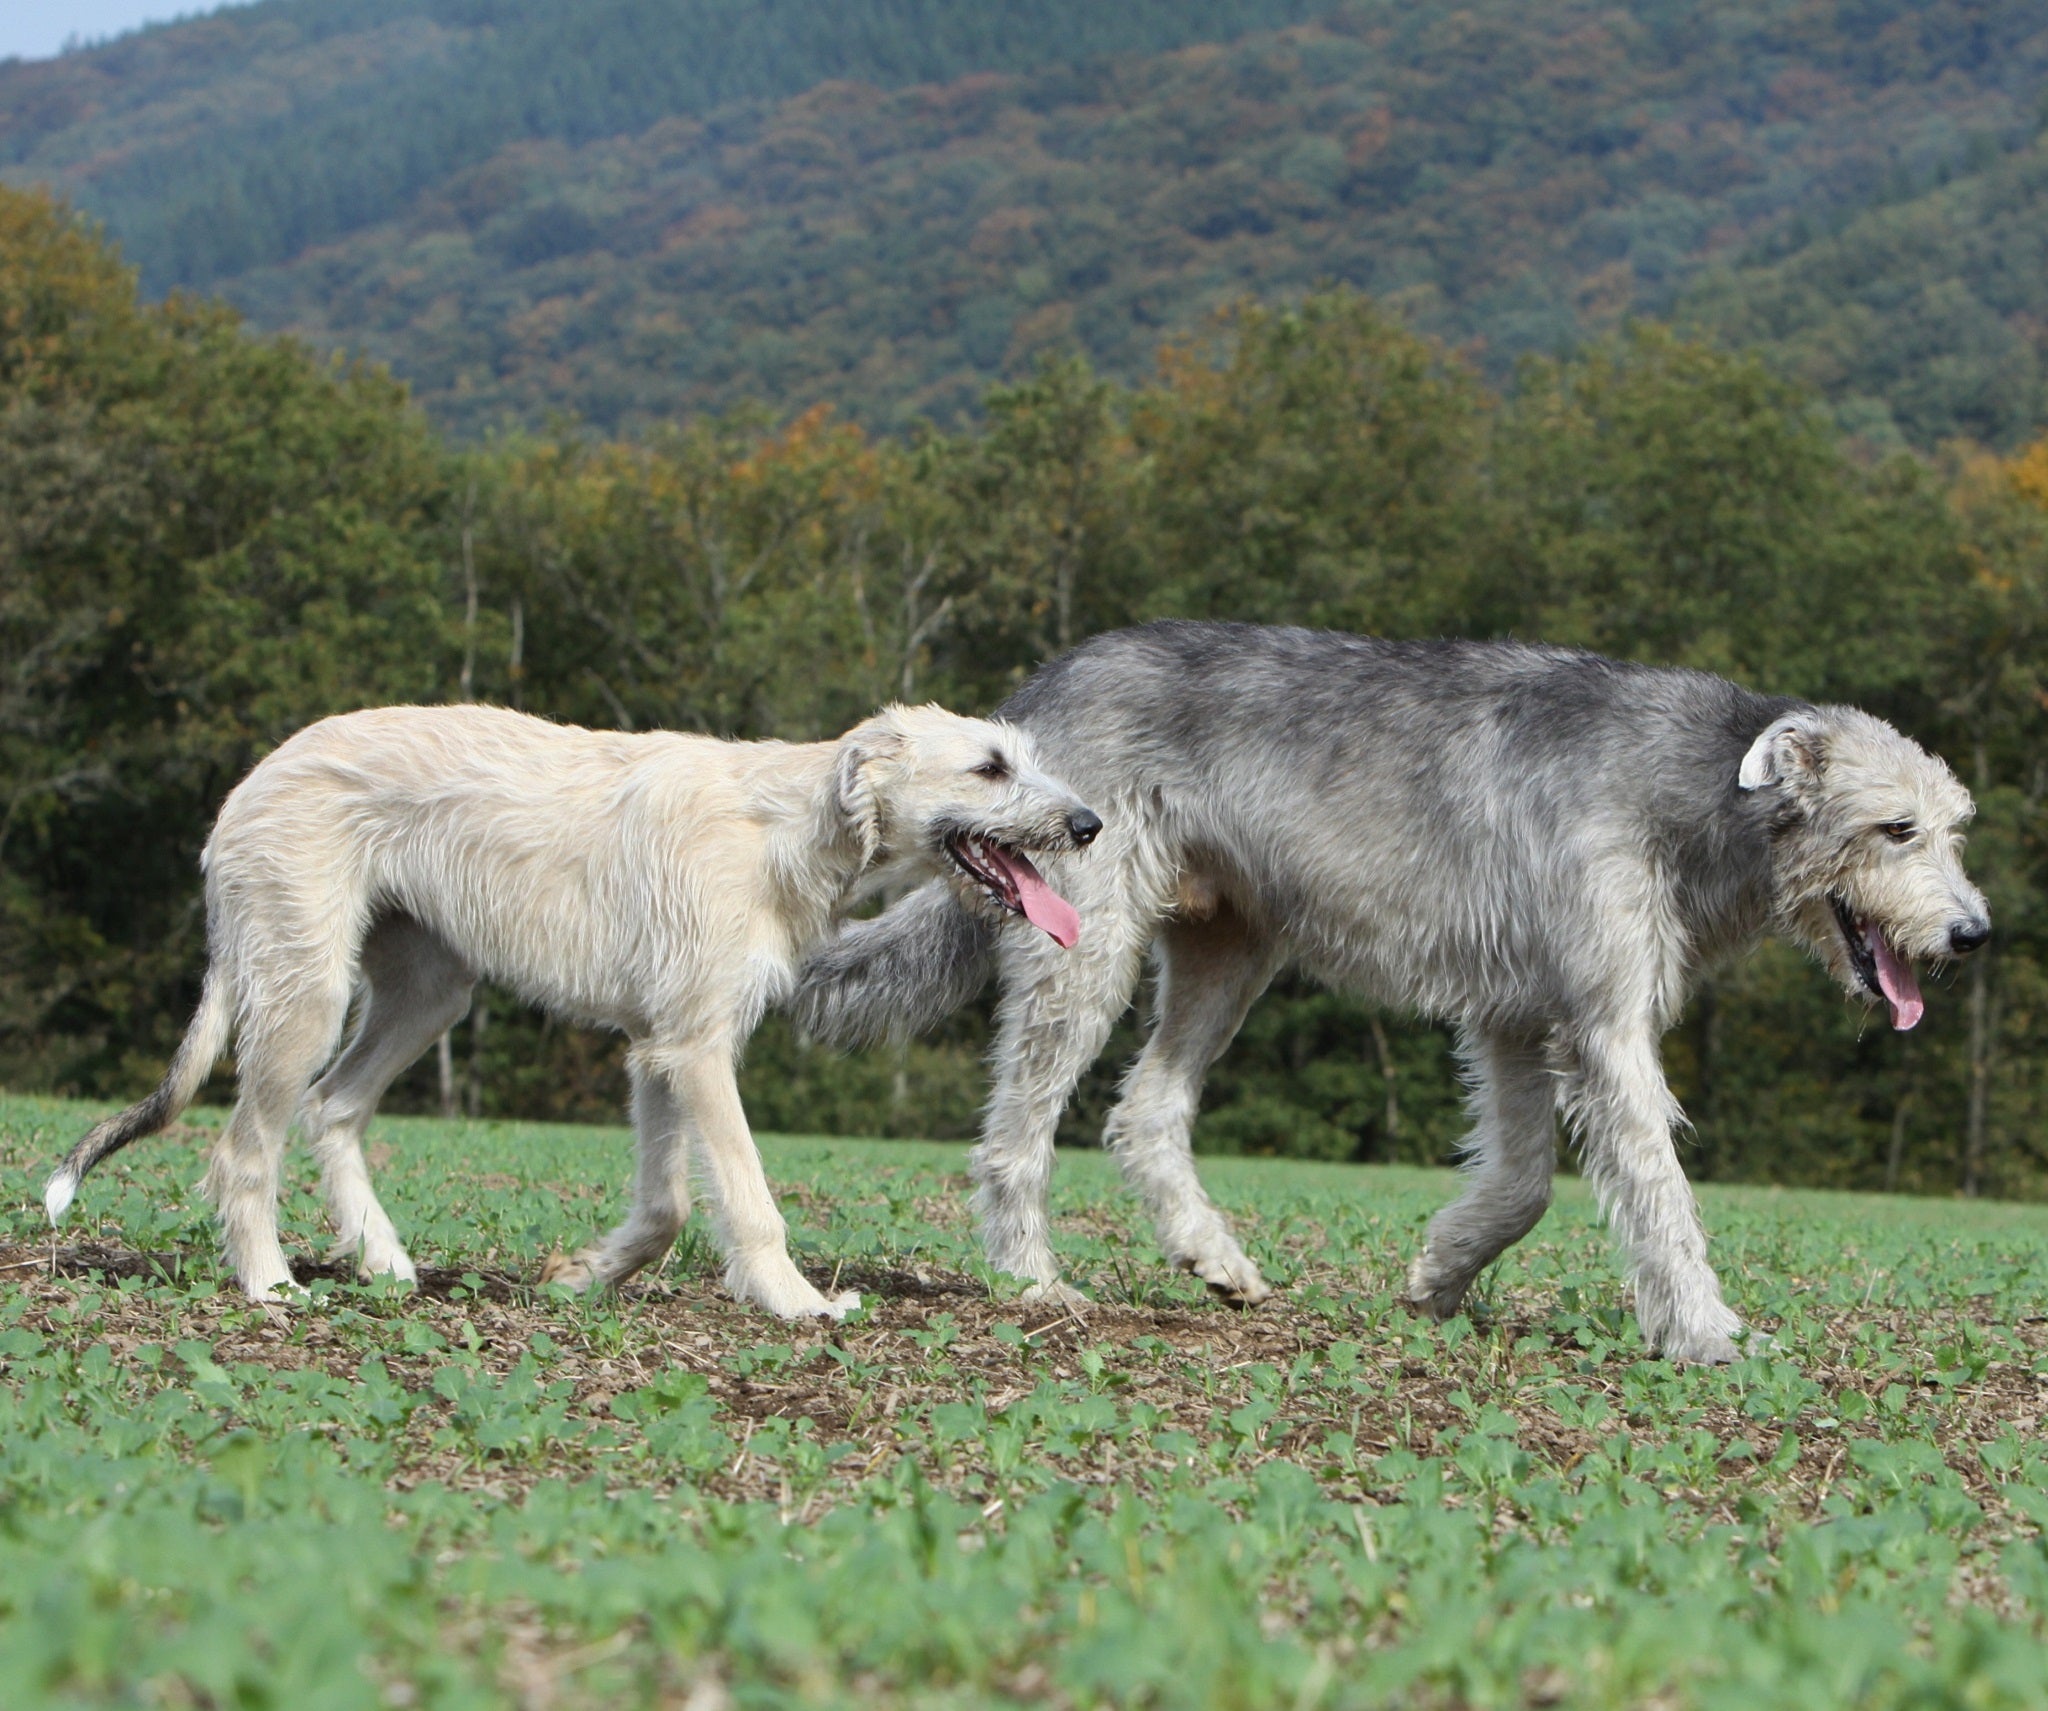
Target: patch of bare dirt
x,y
868,1382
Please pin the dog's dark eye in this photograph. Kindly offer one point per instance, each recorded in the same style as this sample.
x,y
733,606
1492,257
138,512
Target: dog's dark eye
x,y
995,769
1900,831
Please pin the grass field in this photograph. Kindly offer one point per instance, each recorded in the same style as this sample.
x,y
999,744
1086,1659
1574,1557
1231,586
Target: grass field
x,y
485,1495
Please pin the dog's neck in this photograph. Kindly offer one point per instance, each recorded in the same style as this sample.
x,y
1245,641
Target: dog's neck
x,y
821,863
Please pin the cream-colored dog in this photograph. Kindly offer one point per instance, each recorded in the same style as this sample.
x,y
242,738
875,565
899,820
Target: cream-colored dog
x,y
663,885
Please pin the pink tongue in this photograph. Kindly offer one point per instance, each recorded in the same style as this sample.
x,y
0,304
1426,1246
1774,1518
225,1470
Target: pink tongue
x,y
1043,907
1901,990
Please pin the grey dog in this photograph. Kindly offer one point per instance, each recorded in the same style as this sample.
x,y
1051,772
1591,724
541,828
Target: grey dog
x,y
1541,846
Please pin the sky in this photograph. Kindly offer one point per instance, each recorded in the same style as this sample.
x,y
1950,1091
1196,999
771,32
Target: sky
x,y
36,29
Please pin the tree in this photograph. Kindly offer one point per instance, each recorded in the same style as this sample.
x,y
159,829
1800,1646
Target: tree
x,y
206,541
1321,467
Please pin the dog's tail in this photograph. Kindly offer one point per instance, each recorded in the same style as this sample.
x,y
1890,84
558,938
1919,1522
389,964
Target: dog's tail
x,y
204,1041
910,967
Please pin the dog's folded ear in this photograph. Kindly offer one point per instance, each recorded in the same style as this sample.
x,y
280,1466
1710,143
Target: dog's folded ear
x,y
863,752
1787,752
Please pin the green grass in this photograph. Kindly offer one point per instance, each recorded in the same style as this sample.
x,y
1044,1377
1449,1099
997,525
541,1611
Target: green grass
x,y
486,1495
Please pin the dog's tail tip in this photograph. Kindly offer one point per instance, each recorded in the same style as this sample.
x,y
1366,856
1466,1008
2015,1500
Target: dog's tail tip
x,y
59,1192
202,1045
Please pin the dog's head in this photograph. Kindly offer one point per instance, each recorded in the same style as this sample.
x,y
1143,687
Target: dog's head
x,y
1867,851
921,787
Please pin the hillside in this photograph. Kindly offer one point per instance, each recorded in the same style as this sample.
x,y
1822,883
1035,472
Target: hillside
x,y
230,141
1921,318
671,211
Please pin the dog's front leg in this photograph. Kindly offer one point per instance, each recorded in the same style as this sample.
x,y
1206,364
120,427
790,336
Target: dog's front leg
x,y
1623,1112
1210,971
1056,1013
661,1192
699,1079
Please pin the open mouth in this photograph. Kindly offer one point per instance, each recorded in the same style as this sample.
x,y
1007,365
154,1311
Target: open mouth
x,y
1008,877
1883,972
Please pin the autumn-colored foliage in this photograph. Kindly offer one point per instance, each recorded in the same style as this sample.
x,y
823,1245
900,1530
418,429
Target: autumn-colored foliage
x,y
207,539
890,205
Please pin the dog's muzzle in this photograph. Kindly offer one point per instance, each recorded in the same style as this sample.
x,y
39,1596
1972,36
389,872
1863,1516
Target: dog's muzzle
x,y
1880,969
1007,876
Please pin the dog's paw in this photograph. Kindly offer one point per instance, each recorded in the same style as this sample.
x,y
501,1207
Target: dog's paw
x,y
395,1264
1056,1293
1431,1296
1232,1277
785,1292
277,1298
1435,1308
807,1304
571,1271
1714,1349
1709,1350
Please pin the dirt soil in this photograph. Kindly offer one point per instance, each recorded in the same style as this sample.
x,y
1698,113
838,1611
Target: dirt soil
x,y
856,1382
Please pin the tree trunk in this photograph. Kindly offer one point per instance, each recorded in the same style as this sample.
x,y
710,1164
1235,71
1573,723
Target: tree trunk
x,y
469,594
1983,1037
1896,1153
1389,1075
516,664
444,1059
1702,1111
479,1021
1983,1045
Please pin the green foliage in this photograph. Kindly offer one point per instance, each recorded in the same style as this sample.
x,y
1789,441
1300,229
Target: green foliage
x,y
205,541
393,97
1913,318
483,1495
211,539
1322,467
653,208
1664,501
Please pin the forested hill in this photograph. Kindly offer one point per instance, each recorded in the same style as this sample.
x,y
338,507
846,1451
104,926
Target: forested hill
x,y
240,138
1923,316
639,208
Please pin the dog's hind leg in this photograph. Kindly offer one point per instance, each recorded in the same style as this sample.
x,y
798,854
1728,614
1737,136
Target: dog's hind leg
x,y
1209,974
1623,1114
1510,1157
287,1030
413,988
1056,1013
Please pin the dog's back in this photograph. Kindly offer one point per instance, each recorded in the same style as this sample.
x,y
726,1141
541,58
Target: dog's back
x,y
1425,820
557,860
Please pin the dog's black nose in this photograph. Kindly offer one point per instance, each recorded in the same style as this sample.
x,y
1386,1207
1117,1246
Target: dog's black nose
x,y
1083,825
1966,936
